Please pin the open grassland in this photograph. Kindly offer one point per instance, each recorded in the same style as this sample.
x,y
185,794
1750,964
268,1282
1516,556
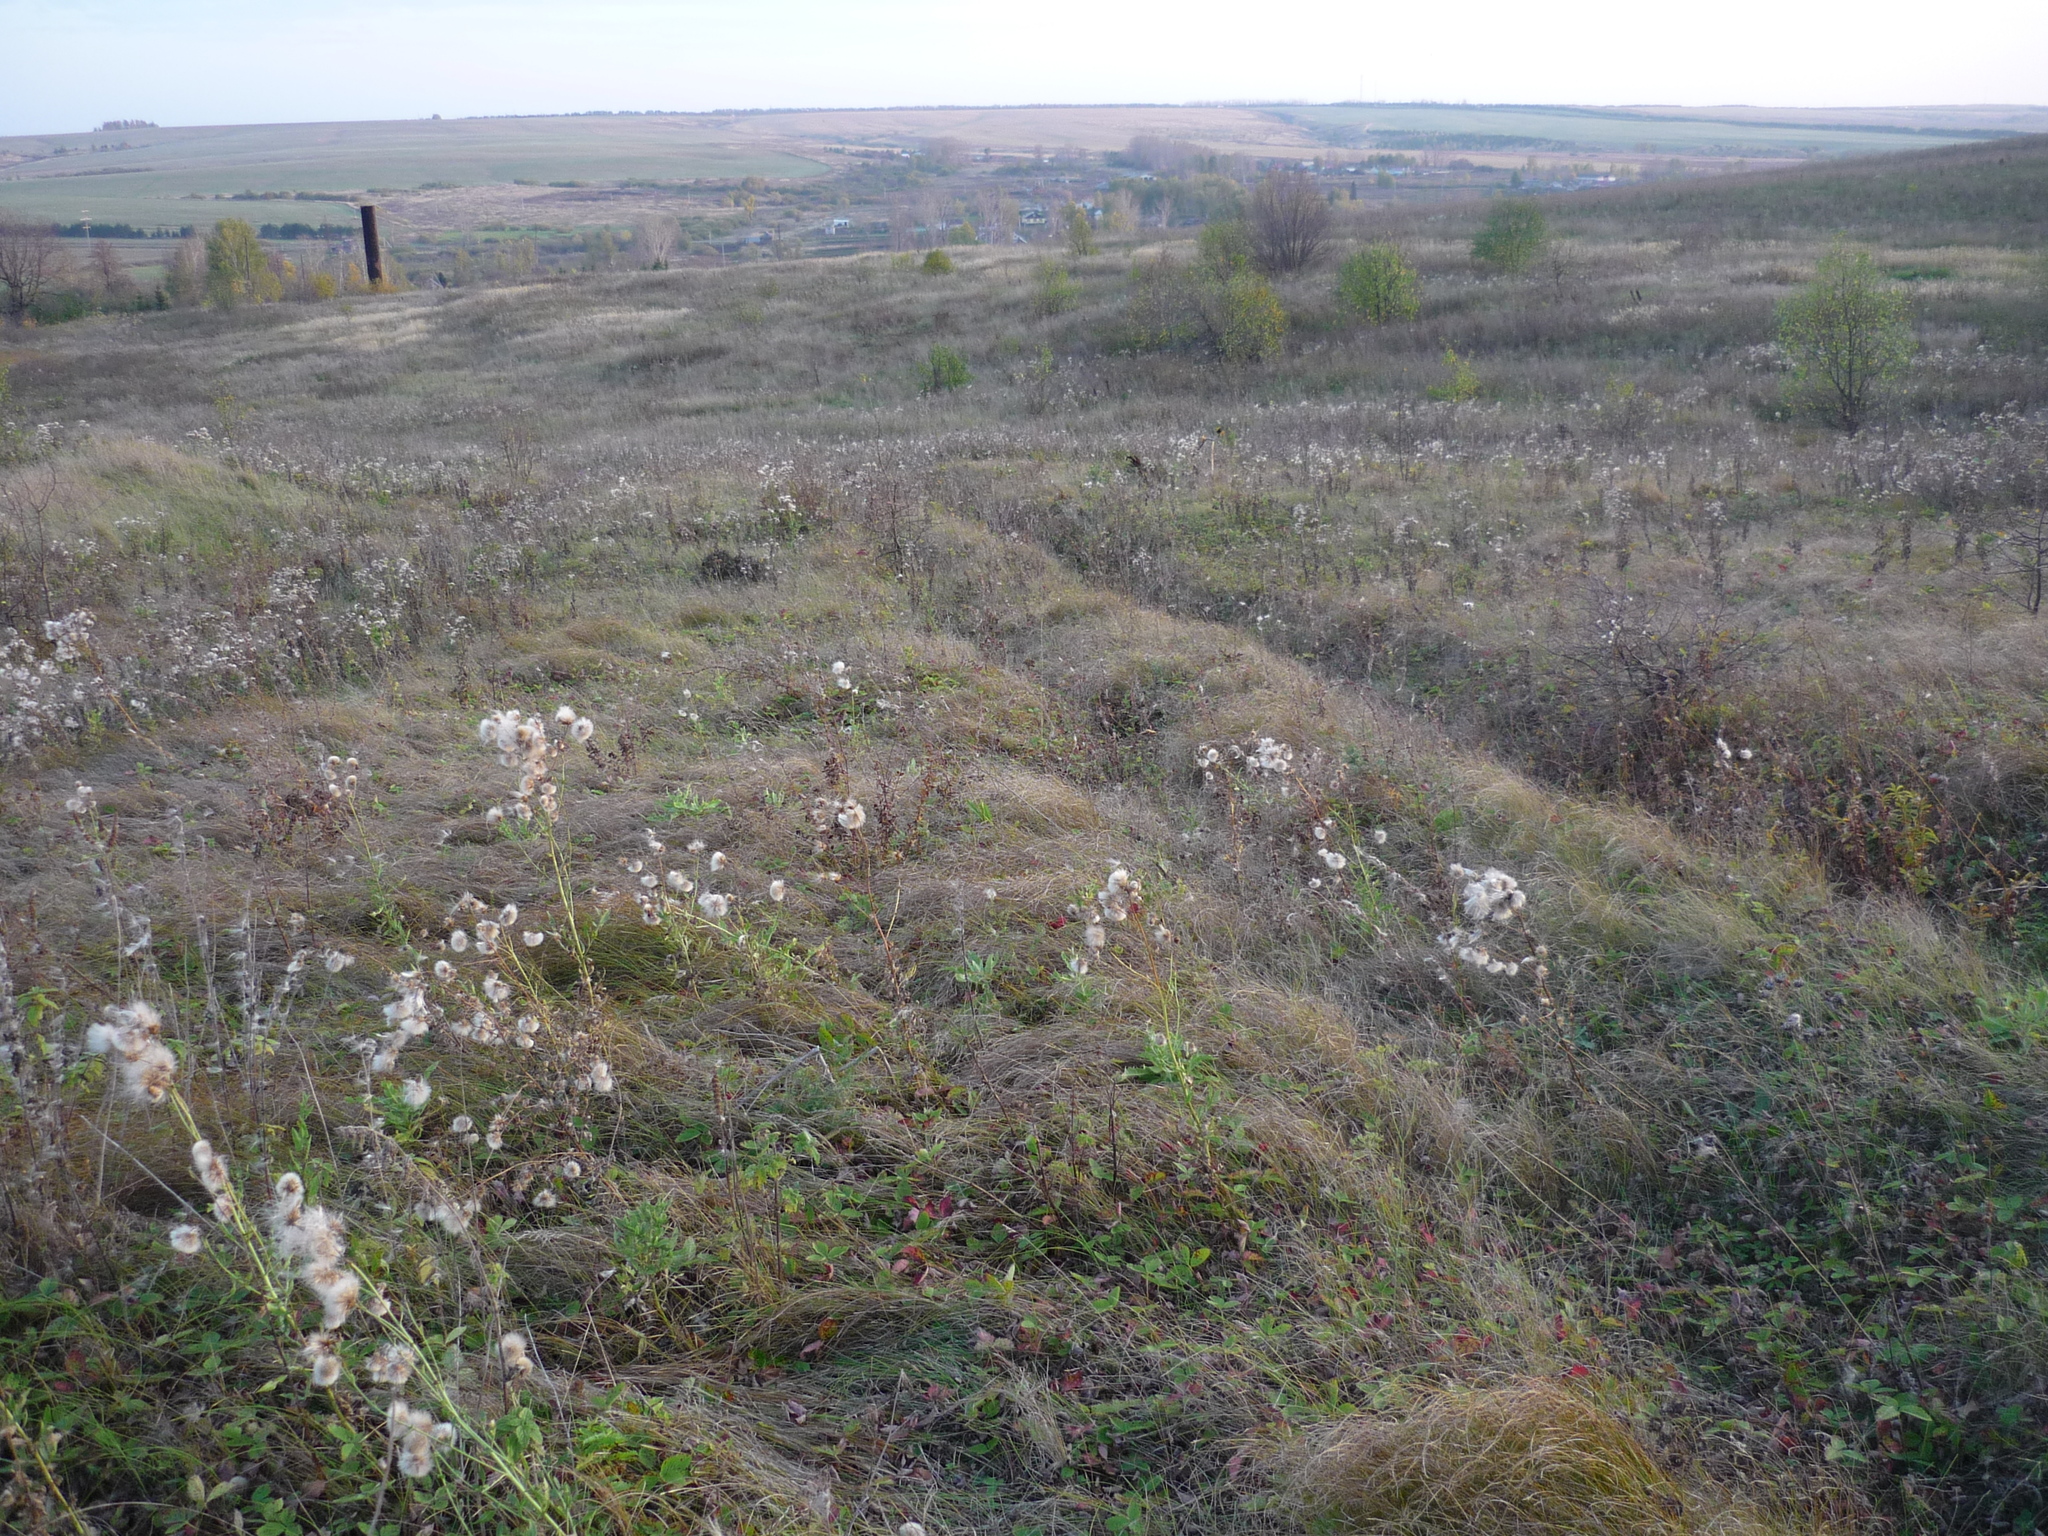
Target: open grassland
x,y
1137,945
150,176
148,182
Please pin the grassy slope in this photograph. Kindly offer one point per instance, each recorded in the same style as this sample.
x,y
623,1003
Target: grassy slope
x,y
1071,1251
1594,130
1966,192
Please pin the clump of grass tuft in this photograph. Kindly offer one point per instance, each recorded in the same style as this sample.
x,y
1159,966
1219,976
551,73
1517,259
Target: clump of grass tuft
x,y
1526,1458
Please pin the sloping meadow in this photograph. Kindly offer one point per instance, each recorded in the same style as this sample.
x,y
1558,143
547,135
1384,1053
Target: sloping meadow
x,y
599,941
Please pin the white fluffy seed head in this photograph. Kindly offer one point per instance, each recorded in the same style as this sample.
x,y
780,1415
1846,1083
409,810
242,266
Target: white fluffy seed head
x,y
416,1454
391,1365
338,1290
513,1356
211,1168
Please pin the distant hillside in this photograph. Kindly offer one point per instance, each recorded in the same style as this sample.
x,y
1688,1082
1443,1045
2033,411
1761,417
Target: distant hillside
x,y
1993,192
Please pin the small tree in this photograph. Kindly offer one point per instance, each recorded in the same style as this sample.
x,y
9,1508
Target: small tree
x,y
30,261
1849,333
185,274
1512,237
943,369
237,267
1246,320
2021,553
937,263
1080,231
1379,284
110,273
1289,221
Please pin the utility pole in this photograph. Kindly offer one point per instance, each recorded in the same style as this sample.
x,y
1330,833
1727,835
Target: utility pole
x,y
373,253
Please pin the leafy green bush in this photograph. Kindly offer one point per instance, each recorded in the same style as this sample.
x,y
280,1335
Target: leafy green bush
x,y
1057,291
1462,384
944,369
1849,333
938,263
1512,237
1379,284
1228,309
1226,246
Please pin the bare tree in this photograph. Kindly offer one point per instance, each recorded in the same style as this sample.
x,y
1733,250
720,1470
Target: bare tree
x,y
2020,559
30,261
654,239
1290,222
996,215
110,273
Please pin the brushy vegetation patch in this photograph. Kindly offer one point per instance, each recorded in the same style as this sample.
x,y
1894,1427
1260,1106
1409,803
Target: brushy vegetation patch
x,y
1142,940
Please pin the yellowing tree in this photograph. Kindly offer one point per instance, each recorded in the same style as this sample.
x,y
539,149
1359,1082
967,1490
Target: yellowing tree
x,y
238,268
1246,320
1080,231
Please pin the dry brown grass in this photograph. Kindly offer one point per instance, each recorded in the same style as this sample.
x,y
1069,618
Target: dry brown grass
x,y
1524,1458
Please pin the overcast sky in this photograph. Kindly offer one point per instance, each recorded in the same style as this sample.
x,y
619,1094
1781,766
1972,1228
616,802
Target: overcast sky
x,y
71,64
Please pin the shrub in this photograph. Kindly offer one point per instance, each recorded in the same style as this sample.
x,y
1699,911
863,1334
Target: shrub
x,y
1230,309
1225,246
1512,237
1849,333
1164,312
1463,383
1057,290
938,263
944,369
1247,322
1379,284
